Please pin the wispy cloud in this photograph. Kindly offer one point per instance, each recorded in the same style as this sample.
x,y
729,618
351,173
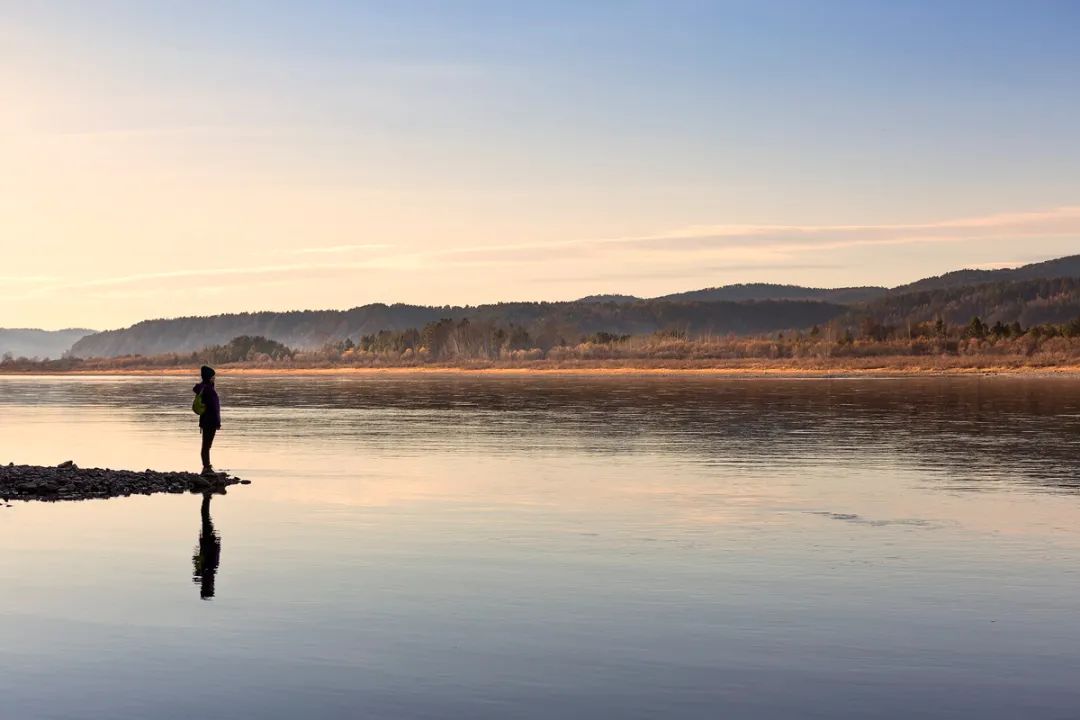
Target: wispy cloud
x,y
793,239
693,251
1062,219
161,279
338,249
26,279
683,273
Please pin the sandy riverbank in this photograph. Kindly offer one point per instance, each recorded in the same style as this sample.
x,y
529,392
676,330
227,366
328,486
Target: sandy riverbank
x,y
847,367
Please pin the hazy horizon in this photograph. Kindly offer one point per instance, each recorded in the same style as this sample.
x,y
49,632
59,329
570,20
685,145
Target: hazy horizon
x,y
167,161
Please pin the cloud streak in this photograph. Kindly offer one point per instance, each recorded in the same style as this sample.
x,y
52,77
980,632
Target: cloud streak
x,y
1058,222
339,249
683,252
1062,219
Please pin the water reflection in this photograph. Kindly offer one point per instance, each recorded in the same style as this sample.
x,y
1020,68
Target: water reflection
x,y
968,433
207,555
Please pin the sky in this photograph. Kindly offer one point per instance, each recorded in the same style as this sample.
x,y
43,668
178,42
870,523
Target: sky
x,y
162,159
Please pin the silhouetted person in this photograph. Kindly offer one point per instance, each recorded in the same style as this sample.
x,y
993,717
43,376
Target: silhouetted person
x,y
210,418
208,553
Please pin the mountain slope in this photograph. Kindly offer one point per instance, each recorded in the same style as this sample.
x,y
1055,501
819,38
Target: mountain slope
x,y
297,329
1029,302
1059,267
1032,294
31,343
312,329
769,291
609,298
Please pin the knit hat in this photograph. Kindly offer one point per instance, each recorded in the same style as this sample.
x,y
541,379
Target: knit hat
x,y
207,372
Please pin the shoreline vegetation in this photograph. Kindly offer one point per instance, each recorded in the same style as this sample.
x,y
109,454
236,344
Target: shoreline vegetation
x,y
880,367
464,347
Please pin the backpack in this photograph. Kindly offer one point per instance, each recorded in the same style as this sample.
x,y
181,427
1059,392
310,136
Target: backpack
x,y
198,405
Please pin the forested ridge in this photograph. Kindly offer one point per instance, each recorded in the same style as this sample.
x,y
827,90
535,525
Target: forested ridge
x,y
1041,293
548,323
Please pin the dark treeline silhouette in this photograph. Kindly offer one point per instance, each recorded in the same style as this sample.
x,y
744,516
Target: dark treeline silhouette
x,y
1034,294
1028,302
1040,294
245,348
549,322
1057,268
769,291
470,342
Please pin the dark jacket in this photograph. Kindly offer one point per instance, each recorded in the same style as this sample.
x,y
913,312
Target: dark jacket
x,y
212,417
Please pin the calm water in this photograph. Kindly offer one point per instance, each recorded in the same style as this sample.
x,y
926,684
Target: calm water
x,y
447,547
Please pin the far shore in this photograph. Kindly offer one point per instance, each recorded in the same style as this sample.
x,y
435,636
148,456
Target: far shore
x,y
749,368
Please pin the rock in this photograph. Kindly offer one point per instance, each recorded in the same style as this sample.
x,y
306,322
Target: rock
x,y
68,464
69,482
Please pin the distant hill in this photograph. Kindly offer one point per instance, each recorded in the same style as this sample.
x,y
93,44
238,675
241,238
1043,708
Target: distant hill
x,y
768,291
1029,302
297,329
609,299
1060,267
32,343
1040,292
565,320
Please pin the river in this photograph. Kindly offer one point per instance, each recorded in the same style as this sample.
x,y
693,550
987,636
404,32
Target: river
x,y
551,547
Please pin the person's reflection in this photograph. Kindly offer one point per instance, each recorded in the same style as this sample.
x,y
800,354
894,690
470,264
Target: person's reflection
x,y
207,553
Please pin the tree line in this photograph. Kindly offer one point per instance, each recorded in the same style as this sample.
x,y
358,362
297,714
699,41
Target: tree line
x,y
465,341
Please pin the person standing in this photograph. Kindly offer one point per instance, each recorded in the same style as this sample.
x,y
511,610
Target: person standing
x,y
206,399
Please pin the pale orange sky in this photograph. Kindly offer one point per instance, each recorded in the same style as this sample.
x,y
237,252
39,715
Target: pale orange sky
x,y
160,161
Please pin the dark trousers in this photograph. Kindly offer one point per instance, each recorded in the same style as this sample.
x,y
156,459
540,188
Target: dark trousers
x,y
207,441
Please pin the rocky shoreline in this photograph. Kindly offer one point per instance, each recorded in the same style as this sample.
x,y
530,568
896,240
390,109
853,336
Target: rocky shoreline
x,y
67,481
